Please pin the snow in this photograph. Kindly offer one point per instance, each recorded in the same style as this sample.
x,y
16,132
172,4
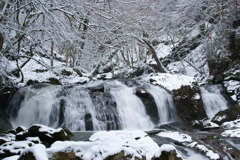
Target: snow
x,y
209,153
50,130
232,129
194,64
103,144
197,96
8,137
16,157
220,118
167,148
169,81
209,124
38,150
37,72
15,147
163,50
177,136
233,88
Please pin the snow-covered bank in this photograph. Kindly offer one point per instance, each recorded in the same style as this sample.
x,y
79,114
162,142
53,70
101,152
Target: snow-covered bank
x,y
130,144
170,81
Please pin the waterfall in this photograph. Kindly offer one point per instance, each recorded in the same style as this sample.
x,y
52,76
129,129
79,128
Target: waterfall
x,y
166,109
130,108
36,106
213,101
78,108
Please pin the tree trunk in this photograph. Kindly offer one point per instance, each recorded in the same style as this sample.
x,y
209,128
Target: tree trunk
x,y
153,52
52,54
1,41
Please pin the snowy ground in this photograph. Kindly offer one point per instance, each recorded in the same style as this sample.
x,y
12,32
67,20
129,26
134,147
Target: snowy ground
x,y
170,81
100,145
232,129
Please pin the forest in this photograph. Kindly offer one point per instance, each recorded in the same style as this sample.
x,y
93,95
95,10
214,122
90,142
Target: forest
x,y
71,69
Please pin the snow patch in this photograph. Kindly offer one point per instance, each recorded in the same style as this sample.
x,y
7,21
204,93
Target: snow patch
x,y
177,136
38,150
233,129
169,81
103,144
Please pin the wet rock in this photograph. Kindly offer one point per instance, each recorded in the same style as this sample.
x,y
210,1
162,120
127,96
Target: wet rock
x,y
99,88
79,73
105,106
5,123
229,114
64,156
217,67
121,155
54,81
149,103
2,141
21,136
168,155
20,129
66,72
88,122
188,103
50,135
30,82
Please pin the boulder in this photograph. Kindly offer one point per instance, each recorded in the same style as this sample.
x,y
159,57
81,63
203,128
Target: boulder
x,y
54,81
66,72
229,114
167,152
188,103
149,103
48,135
168,155
21,136
14,148
36,152
64,156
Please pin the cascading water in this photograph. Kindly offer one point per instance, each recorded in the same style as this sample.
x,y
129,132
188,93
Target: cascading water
x,y
213,101
112,106
166,109
130,108
36,106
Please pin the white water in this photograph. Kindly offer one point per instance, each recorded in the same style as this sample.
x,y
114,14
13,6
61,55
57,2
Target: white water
x,y
166,109
36,106
130,108
78,104
55,106
213,101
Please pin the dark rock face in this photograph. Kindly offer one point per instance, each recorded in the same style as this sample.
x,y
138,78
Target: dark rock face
x,y
168,155
5,123
105,106
229,114
149,103
217,67
188,103
5,95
